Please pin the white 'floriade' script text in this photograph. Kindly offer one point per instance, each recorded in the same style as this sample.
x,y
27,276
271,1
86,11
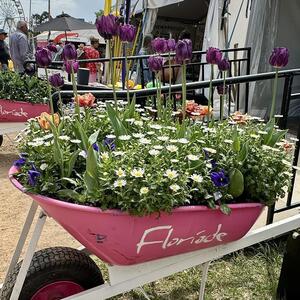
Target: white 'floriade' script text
x,y
168,241
13,112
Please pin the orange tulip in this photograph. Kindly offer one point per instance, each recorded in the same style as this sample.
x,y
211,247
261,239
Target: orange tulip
x,y
240,118
130,84
86,100
44,118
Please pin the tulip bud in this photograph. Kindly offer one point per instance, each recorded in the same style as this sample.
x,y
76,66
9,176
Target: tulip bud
x,y
159,45
51,47
155,63
107,26
69,52
183,50
43,57
279,57
69,64
127,33
224,65
171,45
213,56
56,80
220,89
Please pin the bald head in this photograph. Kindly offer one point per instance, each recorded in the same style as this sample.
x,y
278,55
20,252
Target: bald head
x,y
22,26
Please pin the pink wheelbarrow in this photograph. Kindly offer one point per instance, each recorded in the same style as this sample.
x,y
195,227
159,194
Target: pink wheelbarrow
x,y
124,242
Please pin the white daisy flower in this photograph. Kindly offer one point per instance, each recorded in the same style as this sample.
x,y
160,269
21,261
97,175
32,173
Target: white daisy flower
x,y
118,153
43,166
145,119
138,135
124,137
130,120
171,128
120,173
192,157
294,139
82,154
154,152
75,141
208,165
158,147
183,141
144,190
144,141
140,110
255,136
173,141
150,132
286,162
197,178
48,136
111,136
104,155
175,187
64,138
228,141
119,183
101,116
262,132
163,138
172,148
138,173
171,174
278,116
174,160
210,150
47,144
155,126
38,139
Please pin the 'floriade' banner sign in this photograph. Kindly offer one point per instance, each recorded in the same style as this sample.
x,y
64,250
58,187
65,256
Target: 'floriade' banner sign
x,y
17,111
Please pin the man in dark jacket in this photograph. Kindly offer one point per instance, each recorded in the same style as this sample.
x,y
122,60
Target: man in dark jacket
x,y
4,53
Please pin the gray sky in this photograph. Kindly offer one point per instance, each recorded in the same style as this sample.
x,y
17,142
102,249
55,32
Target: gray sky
x,y
75,8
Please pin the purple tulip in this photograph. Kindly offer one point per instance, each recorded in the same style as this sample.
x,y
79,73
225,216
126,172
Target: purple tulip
x,y
56,80
219,178
127,33
69,64
183,50
43,57
51,47
107,26
220,89
33,176
224,65
279,57
155,63
171,45
213,55
69,52
159,45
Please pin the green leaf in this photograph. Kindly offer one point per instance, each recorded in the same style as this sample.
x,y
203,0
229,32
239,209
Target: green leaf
x,y
69,194
91,183
236,145
82,134
70,180
236,185
243,154
93,137
277,136
91,162
225,209
117,125
269,128
71,163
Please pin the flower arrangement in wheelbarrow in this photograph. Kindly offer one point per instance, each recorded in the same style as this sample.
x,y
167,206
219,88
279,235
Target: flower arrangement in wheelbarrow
x,y
152,187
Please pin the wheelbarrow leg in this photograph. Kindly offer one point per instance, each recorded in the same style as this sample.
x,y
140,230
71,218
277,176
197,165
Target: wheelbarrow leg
x,y
22,239
205,268
28,256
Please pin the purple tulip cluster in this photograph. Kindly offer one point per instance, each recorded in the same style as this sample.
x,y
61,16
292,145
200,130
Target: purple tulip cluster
x,y
43,57
127,33
69,56
279,57
107,26
155,63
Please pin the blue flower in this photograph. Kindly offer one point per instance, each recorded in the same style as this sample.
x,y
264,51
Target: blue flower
x,y
33,176
219,178
20,162
96,147
110,143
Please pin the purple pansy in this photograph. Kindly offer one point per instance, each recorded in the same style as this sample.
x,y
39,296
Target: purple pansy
x,y
219,178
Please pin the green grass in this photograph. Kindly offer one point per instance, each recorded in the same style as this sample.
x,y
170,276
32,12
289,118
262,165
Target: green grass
x,y
249,274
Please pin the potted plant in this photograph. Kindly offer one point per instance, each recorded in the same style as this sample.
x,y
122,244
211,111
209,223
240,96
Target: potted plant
x,y
21,97
132,187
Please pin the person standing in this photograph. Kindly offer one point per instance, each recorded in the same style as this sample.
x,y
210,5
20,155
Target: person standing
x,y
92,53
20,50
4,53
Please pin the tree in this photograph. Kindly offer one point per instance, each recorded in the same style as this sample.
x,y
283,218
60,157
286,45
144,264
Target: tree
x,y
38,19
99,13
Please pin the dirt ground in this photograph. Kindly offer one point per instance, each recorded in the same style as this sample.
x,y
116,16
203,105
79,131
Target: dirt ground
x,y
13,211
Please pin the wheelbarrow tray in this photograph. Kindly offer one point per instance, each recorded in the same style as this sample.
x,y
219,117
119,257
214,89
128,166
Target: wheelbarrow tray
x,y
122,239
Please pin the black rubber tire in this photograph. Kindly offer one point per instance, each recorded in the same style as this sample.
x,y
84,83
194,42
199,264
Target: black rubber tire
x,y
55,264
1,140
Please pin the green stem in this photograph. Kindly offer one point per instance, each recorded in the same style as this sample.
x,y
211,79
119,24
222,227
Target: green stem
x,y
183,91
210,90
127,73
223,96
170,76
49,93
77,109
112,75
60,104
158,96
274,95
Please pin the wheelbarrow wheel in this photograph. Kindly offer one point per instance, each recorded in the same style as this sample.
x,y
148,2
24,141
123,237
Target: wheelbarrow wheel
x,y
1,140
55,273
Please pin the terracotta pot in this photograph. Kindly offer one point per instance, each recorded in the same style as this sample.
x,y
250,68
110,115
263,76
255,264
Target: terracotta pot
x,y
121,239
18,111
